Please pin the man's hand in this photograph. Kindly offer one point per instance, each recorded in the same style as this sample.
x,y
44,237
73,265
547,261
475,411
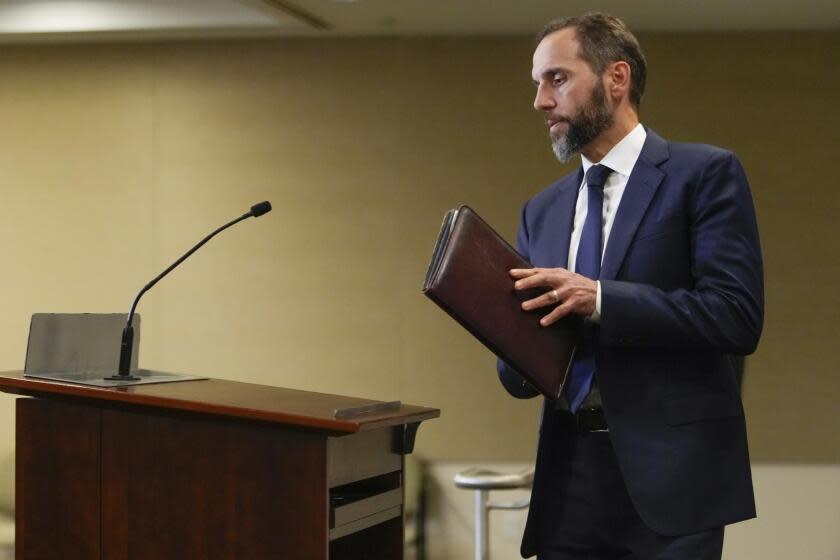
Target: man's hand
x,y
570,292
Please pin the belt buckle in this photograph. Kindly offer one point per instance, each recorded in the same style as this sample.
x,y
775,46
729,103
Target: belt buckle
x,y
590,412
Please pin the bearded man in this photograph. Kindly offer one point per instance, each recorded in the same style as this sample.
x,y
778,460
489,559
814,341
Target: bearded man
x,y
655,245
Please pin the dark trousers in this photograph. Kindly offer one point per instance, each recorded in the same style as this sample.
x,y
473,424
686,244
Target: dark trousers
x,y
588,515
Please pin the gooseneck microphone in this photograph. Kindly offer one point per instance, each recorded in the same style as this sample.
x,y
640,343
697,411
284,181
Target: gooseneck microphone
x,y
127,343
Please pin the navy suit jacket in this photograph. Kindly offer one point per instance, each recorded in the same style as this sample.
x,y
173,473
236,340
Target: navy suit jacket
x,y
681,291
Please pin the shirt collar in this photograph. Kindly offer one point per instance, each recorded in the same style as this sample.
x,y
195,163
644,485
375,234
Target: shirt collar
x,y
622,157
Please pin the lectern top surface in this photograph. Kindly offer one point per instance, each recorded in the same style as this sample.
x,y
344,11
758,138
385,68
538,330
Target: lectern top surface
x,y
220,397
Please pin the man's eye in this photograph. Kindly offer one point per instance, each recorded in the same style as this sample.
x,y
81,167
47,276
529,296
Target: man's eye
x,y
558,79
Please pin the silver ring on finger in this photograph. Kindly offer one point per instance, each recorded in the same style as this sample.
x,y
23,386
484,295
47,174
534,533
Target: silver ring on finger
x,y
555,295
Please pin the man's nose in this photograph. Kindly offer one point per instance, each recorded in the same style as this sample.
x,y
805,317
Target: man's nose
x,y
543,100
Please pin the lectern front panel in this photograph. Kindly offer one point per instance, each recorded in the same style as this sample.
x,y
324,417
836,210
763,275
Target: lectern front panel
x,y
57,481
186,486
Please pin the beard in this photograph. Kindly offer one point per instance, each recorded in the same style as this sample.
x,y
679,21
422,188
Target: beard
x,y
584,126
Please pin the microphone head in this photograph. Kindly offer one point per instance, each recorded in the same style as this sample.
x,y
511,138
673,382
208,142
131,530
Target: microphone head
x,y
261,208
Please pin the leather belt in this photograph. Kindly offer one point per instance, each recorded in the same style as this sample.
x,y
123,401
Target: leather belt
x,y
589,420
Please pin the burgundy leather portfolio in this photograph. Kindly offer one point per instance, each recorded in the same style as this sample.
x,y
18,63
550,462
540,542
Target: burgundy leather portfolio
x,y
469,279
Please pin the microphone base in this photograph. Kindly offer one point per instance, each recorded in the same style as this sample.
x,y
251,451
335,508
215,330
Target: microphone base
x,y
121,377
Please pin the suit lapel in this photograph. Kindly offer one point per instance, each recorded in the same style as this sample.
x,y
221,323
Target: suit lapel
x,y
561,227
641,187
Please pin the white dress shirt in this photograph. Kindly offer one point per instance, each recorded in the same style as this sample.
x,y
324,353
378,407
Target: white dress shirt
x,y
621,159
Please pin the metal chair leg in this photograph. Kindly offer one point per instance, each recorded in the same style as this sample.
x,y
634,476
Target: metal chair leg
x,y
482,481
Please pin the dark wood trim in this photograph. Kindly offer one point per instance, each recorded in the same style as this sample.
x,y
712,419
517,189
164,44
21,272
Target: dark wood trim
x,y
219,397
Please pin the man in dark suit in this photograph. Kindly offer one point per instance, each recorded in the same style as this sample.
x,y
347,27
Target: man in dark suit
x,y
655,245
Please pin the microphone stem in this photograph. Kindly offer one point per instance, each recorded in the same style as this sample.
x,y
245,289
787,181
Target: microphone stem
x,y
127,343
186,255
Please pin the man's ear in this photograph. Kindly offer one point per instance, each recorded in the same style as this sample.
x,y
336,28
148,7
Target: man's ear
x,y
618,78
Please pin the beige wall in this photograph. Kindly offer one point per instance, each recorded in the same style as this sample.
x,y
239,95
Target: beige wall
x,y
116,158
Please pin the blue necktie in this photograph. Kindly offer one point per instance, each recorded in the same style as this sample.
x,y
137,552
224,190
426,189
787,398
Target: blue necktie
x,y
588,263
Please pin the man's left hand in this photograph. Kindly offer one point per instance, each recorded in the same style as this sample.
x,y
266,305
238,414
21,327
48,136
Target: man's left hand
x,y
569,292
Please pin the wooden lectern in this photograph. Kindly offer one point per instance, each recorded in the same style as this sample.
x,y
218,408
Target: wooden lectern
x,y
207,469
